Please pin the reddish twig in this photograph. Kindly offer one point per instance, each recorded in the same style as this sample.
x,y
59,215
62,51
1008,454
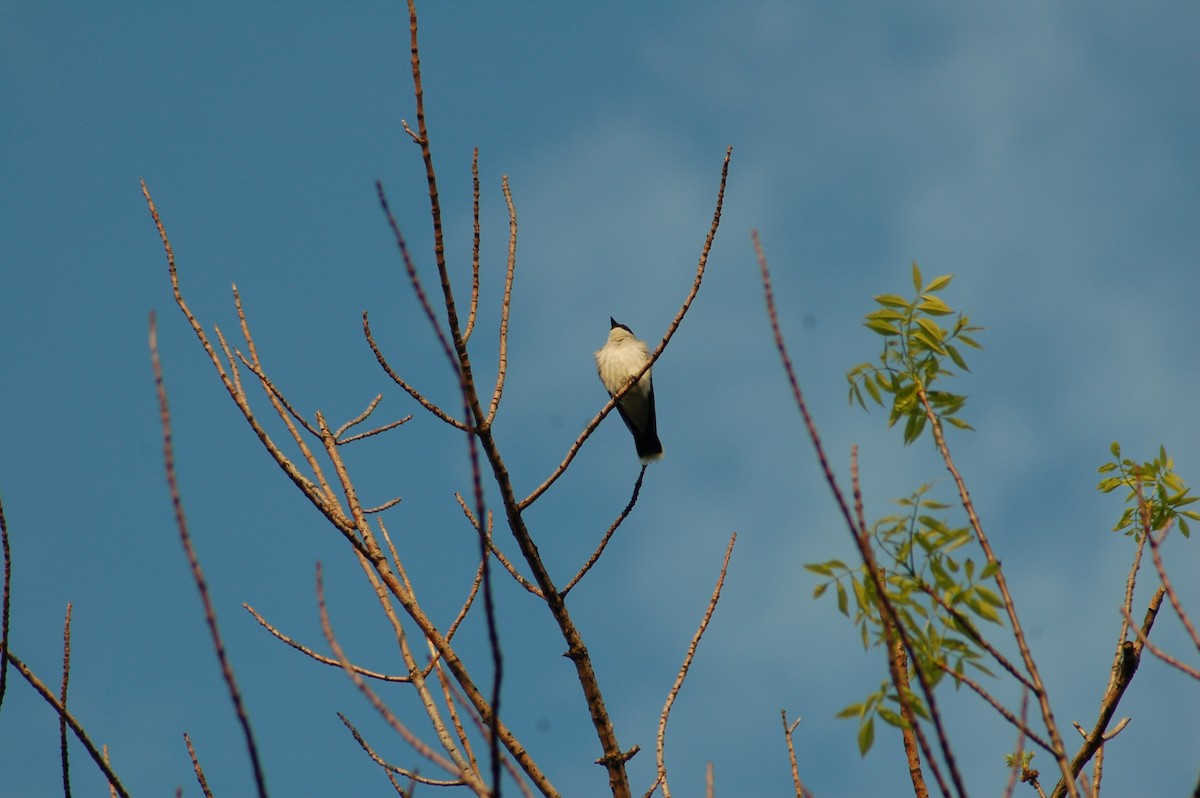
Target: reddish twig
x,y
210,615
62,696
5,607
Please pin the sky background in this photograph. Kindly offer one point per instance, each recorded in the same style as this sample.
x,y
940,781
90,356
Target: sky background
x,y
1045,153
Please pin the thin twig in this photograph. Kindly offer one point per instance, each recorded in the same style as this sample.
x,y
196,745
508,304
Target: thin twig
x,y
199,771
969,629
411,268
495,550
660,742
1020,749
376,431
62,696
5,607
411,774
210,615
267,383
100,759
380,508
396,378
360,418
383,677
1144,641
505,303
474,309
1130,581
1176,604
587,566
788,731
977,688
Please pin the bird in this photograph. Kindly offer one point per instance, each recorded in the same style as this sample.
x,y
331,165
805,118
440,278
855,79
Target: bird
x,y
622,356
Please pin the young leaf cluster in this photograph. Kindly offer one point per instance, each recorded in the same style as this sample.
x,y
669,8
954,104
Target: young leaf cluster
x,y
934,591
916,352
1156,494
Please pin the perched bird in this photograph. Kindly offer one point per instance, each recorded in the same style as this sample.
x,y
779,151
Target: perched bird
x,y
620,358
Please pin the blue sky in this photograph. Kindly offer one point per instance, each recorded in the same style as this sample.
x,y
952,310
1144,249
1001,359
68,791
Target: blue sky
x,y
1044,153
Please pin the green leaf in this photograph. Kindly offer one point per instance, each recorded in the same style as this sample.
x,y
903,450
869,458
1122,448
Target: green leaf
x,y
969,341
872,389
851,711
931,327
934,305
866,736
914,427
843,601
891,300
820,589
882,327
938,283
916,277
929,343
956,357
